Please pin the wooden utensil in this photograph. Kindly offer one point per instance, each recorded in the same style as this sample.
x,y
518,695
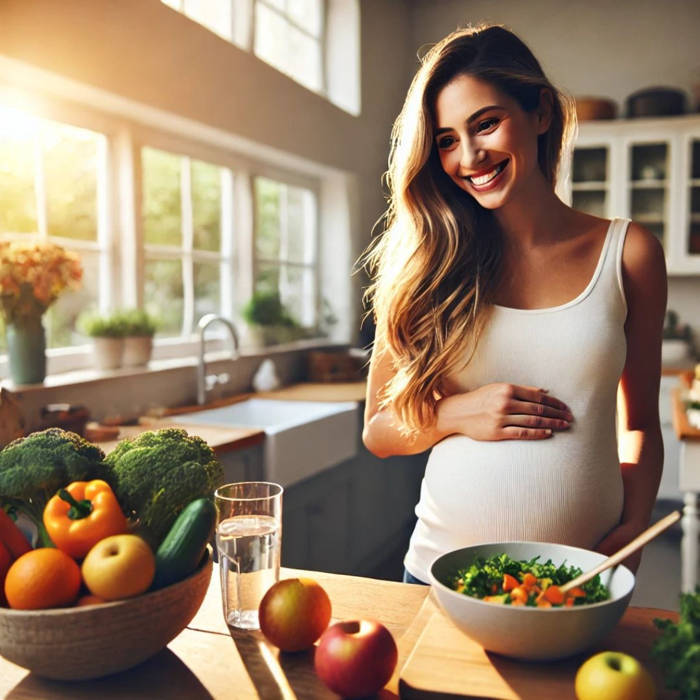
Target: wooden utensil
x,y
639,541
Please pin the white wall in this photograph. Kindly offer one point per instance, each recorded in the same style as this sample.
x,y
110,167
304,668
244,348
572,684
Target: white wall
x,y
597,47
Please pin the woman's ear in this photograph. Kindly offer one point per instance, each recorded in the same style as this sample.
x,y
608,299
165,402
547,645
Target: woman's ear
x,y
544,110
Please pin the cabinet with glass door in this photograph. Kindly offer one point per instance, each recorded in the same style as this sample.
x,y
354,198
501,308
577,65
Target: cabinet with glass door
x,y
647,170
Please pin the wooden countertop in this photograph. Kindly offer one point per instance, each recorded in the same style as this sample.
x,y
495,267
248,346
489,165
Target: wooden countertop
x,y
209,660
226,439
684,430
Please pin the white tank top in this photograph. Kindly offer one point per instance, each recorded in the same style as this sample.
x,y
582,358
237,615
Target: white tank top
x,y
567,488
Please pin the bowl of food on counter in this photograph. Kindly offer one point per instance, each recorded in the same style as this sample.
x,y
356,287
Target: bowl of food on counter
x,y
117,561
506,596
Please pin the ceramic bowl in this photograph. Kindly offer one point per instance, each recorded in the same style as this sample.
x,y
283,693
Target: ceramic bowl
x,y
96,640
526,632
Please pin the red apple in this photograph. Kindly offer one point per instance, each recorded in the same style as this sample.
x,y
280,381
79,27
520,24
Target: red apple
x,y
294,612
356,658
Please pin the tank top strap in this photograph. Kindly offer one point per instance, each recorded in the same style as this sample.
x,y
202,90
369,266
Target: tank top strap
x,y
609,281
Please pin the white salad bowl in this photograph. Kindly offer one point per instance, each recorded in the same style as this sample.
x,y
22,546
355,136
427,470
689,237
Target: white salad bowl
x,y
524,632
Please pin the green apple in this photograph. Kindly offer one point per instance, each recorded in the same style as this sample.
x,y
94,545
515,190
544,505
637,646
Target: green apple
x,y
612,675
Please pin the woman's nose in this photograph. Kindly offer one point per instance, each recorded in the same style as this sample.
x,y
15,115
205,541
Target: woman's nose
x,y
470,155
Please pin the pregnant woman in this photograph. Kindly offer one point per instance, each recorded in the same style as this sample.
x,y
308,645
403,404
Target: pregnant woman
x,y
518,338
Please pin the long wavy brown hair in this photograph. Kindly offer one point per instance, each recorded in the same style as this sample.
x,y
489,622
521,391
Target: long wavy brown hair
x,y
435,267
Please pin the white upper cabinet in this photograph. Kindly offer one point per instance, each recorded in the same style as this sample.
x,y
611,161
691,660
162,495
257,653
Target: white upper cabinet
x,y
647,170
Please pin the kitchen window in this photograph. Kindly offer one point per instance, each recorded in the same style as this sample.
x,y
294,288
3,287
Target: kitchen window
x,y
53,181
285,247
314,42
179,227
187,254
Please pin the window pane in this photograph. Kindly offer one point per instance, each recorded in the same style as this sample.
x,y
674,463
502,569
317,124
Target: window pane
x,y
307,14
206,205
267,218
304,59
207,289
213,14
60,318
70,175
296,289
163,292
286,48
18,134
300,225
162,213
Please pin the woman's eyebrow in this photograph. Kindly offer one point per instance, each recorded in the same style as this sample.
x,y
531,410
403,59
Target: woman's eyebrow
x,y
474,116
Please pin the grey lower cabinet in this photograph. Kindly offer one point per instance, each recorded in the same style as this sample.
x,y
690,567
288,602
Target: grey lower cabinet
x,y
242,465
354,518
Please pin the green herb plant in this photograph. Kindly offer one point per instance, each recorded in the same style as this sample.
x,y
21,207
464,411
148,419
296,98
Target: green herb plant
x,y
677,649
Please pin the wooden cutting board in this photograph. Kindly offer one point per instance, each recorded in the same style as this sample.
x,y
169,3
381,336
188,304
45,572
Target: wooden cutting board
x,y
445,663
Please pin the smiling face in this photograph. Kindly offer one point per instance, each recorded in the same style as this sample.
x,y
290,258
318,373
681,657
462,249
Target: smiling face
x,y
486,142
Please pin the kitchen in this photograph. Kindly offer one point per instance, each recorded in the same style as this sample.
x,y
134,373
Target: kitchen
x,y
150,76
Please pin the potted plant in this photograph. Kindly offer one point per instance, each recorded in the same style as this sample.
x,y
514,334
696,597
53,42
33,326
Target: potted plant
x,y
107,332
139,329
32,276
269,321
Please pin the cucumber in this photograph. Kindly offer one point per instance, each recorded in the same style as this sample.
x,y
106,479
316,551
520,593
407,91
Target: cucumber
x,y
182,549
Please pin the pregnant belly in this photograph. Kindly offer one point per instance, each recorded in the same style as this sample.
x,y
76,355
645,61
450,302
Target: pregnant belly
x,y
567,489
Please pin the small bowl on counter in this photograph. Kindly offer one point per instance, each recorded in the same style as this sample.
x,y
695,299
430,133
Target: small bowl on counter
x,y
524,632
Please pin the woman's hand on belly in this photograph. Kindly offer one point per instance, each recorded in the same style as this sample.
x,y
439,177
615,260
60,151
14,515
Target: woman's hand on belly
x,y
503,411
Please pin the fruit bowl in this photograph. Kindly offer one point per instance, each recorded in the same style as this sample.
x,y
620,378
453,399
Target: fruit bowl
x,y
96,640
531,633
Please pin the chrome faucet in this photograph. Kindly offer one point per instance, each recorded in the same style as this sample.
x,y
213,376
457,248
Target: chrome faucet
x,y
206,382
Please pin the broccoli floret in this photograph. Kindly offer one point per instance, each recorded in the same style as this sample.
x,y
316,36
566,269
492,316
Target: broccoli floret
x,y
157,473
33,468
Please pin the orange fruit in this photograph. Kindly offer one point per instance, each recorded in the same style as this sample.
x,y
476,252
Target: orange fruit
x,y
42,578
89,599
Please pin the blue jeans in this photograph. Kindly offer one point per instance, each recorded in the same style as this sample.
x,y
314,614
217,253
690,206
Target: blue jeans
x,y
410,578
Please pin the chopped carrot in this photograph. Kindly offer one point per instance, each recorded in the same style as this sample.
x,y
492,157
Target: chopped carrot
x,y
577,592
554,595
543,604
494,588
519,594
509,582
569,602
529,579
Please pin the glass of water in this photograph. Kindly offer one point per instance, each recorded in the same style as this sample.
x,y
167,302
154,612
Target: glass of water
x,y
248,541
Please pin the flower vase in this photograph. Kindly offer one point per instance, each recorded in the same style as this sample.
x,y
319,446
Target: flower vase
x,y
26,348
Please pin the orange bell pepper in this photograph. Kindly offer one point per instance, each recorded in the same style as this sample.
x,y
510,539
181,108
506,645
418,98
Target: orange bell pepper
x,y
81,515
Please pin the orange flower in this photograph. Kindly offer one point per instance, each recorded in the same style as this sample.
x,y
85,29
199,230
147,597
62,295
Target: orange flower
x,y
33,275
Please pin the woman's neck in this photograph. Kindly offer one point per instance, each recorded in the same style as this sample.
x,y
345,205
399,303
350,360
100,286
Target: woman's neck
x,y
533,217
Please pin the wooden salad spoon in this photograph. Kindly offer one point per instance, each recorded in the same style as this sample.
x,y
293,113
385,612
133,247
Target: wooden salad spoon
x,y
639,541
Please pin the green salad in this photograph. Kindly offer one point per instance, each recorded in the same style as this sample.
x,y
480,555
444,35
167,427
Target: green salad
x,y
501,579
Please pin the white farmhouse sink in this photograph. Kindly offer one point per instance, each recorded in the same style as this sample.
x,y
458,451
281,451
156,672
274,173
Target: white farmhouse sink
x,y
301,437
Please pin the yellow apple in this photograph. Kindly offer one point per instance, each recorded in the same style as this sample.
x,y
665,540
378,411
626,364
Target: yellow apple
x,y
612,675
120,566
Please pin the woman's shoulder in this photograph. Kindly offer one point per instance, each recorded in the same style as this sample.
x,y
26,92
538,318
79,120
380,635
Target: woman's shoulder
x,y
643,265
642,252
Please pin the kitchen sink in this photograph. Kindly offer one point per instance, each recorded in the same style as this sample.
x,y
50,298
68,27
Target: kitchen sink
x,y
301,437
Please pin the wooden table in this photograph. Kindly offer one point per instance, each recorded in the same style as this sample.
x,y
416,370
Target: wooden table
x,y
689,484
208,660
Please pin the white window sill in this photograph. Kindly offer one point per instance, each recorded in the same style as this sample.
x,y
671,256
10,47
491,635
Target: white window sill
x,y
88,376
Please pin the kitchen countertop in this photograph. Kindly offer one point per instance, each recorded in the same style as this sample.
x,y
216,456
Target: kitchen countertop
x,y
684,430
224,440
208,660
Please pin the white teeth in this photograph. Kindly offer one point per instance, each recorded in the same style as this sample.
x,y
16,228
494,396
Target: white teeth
x,y
483,179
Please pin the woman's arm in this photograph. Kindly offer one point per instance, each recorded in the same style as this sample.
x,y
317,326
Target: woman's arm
x,y
642,452
496,411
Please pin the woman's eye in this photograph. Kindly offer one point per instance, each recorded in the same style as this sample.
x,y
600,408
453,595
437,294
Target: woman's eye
x,y
487,124
445,142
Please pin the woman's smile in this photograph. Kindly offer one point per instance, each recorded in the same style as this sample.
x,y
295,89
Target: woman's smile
x,y
487,179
